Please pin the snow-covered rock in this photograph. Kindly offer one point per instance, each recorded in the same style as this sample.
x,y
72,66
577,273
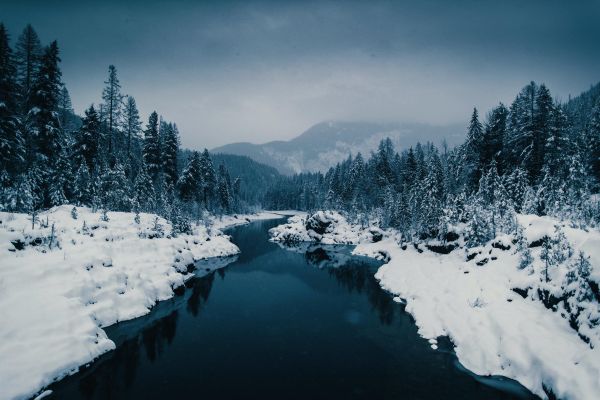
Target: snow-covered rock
x,y
485,303
60,283
326,227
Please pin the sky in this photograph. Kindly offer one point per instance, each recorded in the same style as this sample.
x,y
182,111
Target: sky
x,y
267,70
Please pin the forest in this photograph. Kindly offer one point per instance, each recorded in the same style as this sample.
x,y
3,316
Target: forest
x,y
105,159
536,156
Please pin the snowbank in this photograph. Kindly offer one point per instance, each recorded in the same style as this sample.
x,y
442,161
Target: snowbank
x,y
61,283
495,330
326,227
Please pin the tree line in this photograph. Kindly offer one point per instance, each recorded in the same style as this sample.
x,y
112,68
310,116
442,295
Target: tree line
x,y
536,156
106,159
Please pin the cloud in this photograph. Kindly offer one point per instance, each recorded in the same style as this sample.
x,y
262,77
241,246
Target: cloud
x,y
261,70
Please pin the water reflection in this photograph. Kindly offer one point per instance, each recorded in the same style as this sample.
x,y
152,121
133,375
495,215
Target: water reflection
x,y
145,338
356,274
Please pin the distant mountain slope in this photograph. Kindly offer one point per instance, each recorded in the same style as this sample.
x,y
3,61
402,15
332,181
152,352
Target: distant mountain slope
x,y
324,144
255,177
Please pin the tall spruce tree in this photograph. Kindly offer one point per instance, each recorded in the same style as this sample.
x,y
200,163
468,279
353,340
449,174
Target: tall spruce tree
x,y
133,125
88,138
28,52
170,149
12,143
208,179
113,103
152,149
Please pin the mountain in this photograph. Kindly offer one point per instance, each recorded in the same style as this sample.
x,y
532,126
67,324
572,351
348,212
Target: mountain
x,y
325,144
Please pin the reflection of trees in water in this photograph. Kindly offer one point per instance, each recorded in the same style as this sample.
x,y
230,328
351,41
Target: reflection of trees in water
x,y
117,371
354,275
200,292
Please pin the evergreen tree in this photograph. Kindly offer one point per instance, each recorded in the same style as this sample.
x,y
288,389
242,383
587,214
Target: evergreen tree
x,y
66,112
82,195
189,184
152,147
133,126
28,52
493,136
471,152
88,138
12,144
208,178
542,120
518,146
144,190
44,101
593,135
223,189
113,103
170,149
115,189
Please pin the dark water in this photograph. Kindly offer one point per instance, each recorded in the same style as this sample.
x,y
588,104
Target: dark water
x,y
311,323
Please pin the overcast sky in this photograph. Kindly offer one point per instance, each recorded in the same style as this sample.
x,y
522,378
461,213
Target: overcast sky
x,y
259,71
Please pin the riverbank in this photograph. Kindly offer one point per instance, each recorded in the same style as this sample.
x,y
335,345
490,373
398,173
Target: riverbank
x,y
495,330
75,272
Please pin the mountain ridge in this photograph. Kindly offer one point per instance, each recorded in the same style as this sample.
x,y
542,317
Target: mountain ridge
x,y
326,143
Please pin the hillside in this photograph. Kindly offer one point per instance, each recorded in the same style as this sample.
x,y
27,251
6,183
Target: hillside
x,y
327,143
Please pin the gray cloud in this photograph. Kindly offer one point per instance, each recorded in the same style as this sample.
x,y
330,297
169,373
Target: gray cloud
x,y
257,71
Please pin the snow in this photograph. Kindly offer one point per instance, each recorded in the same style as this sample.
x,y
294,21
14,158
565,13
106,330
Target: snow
x,y
337,230
58,290
495,330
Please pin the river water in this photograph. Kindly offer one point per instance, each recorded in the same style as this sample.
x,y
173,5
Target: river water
x,y
277,323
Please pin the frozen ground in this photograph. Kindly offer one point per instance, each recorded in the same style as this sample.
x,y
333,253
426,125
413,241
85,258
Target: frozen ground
x,y
495,330
60,286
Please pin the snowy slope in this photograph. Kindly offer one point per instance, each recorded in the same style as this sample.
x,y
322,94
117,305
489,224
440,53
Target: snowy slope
x,y
495,330
327,143
57,290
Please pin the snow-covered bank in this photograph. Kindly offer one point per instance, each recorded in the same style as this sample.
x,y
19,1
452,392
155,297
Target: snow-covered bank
x,y
76,272
468,296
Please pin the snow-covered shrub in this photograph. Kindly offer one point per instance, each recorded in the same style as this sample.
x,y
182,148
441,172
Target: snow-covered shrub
x,y
556,250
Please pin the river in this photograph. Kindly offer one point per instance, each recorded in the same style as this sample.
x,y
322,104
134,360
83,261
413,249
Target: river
x,y
277,323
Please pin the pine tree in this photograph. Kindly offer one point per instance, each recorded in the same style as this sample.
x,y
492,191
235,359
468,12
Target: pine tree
x,y
49,143
189,184
152,148
577,280
542,125
518,145
88,138
113,104
556,250
81,189
208,178
493,136
593,139
144,189
223,188
66,112
28,52
471,152
12,143
44,101
516,185
170,149
133,126
115,189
